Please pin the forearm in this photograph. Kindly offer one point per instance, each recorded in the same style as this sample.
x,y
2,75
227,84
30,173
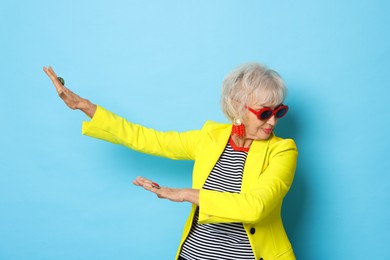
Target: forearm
x,y
191,195
88,107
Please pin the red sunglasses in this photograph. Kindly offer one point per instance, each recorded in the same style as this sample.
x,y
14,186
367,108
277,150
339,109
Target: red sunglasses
x,y
266,113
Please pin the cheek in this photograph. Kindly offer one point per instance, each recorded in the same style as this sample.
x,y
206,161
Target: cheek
x,y
254,126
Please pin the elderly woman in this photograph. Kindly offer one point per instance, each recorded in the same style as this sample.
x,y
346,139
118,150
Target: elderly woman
x,y
241,174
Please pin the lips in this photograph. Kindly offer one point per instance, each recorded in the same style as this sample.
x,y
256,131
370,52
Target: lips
x,y
267,130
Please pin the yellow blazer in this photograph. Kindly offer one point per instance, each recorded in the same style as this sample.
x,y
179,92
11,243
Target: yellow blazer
x,y
268,174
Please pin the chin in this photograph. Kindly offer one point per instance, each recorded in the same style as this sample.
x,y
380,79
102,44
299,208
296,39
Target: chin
x,y
263,136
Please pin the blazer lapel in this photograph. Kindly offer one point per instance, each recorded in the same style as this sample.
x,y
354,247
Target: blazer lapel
x,y
212,148
254,163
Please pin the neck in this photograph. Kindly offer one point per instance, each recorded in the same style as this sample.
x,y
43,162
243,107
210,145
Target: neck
x,y
242,142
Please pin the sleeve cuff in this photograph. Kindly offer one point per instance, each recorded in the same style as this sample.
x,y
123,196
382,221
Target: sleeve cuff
x,y
95,121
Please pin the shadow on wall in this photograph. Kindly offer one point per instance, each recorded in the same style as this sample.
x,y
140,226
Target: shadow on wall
x,y
295,207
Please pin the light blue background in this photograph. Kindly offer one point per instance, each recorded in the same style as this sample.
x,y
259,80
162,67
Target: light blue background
x,y
161,63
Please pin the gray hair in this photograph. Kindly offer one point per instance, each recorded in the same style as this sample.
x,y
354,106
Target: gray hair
x,y
250,82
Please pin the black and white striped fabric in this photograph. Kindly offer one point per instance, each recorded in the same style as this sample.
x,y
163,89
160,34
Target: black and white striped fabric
x,y
222,241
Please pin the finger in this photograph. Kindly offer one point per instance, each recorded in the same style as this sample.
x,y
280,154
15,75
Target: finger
x,y
149,187
136,182
140,181
50,72
53,76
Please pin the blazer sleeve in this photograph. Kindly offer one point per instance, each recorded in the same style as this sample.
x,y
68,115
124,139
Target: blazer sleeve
x,y
267,193
109,127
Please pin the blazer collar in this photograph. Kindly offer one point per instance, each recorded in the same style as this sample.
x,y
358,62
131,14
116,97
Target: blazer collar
x,y
253,165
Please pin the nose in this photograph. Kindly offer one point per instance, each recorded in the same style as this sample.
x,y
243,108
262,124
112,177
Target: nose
x,y
272,120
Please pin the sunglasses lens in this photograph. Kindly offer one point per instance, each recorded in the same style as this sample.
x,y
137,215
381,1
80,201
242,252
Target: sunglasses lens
x,y
265,115
281,112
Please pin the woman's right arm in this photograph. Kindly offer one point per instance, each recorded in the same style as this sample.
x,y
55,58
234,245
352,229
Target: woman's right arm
x,y
110,127
71,99
115,129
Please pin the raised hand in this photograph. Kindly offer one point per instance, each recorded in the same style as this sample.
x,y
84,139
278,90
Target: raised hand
x,y
71,99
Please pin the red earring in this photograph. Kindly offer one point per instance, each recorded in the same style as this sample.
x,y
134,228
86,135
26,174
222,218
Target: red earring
x,y
238,128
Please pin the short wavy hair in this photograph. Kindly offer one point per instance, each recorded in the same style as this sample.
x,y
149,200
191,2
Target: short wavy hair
x,y
250,82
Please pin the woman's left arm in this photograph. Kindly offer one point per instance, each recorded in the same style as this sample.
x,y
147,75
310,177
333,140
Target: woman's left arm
x,y
267,193
218,207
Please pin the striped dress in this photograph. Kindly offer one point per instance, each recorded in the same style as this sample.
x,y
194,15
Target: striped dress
x,y
222,241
